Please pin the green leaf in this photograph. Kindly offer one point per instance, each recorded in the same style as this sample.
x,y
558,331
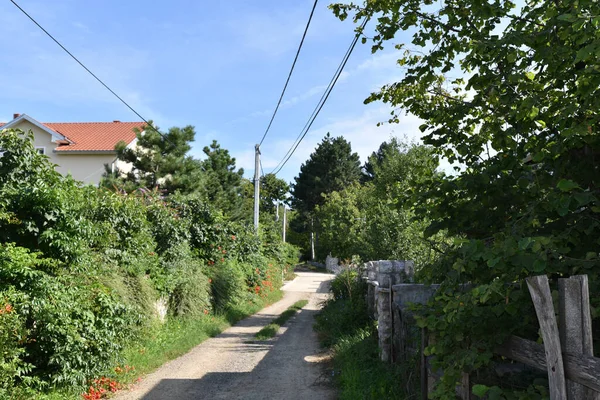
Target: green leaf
x,y
480,390
566,185
533,112
539,265
524,243
530,75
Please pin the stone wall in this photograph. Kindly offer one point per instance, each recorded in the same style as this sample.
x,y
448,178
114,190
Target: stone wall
x,y
381,276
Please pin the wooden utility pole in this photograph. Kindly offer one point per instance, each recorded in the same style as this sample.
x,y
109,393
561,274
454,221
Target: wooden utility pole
x,y
256,185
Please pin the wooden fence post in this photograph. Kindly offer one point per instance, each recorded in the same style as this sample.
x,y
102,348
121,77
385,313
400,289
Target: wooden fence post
x,y
539,289
587,340
570,326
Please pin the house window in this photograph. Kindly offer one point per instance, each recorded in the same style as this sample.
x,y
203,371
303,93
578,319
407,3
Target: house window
x,y
40,150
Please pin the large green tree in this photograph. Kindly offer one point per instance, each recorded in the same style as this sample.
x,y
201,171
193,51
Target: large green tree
x,y
512,93
331,167
223,182
158,160
272,190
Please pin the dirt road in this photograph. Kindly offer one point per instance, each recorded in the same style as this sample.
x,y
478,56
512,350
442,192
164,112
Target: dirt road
x,y
234,366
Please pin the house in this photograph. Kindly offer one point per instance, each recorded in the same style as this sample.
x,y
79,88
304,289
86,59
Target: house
x,y
78,148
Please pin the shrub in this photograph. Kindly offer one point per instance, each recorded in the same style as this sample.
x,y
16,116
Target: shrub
x,y
228,285
192,294
76,326
12,334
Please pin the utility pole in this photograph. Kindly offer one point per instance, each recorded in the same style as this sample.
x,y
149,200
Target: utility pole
x,y
284,222
256,185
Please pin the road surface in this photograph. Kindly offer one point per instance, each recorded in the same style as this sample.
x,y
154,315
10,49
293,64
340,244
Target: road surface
x,y
233,365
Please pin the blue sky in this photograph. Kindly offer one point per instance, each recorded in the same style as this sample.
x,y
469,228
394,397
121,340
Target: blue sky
x,y
219,66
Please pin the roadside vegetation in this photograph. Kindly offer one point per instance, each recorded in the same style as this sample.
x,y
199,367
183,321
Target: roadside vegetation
x,y
507,92
271,330
98,286
344,327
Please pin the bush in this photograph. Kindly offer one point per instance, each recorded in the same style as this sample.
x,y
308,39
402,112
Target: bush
x,y
228,285
12,333
81,269
76,326
192,294
346,312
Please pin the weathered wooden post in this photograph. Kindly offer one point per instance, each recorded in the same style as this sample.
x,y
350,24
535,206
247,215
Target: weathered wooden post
x,y
575,327
539,288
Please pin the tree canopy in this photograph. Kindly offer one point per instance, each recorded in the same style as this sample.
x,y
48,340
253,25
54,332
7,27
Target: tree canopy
x,y
223,183
512,93
158,160
332,166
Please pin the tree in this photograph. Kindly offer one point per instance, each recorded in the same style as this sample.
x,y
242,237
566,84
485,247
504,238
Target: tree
x,y
331,167
223,183
158,160
512,94
272,190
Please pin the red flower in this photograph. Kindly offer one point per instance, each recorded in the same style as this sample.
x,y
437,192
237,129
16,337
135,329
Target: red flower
x,y
232,237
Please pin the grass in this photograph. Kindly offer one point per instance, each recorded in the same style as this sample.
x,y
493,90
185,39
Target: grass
x,y
343,326
165,342
271,330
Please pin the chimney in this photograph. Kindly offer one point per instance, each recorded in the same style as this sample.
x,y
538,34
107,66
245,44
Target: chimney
x,y
15,116
116,120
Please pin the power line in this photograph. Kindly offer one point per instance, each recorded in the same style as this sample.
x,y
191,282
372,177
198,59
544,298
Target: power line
x,y
290,74
262,171
88,70
321,102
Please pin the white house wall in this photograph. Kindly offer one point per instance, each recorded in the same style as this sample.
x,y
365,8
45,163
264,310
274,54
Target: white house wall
x,y
87,167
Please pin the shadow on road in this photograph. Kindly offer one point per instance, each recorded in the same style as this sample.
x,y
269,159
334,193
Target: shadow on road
x,y
283,373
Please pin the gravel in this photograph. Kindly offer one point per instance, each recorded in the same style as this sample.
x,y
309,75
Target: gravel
x,y
234,365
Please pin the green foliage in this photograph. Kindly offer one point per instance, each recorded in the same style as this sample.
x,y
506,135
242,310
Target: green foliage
x,y
376,217
228,285
81,269
346,312
344,326
518,108
75,325
272,190
158,160
191,295
332,166
223,182
12,333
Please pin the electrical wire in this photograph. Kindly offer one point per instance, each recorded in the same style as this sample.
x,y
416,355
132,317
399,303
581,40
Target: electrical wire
x,y
290,74
321,102
90,72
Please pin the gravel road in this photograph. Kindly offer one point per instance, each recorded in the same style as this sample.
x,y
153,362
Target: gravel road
x,y
234,366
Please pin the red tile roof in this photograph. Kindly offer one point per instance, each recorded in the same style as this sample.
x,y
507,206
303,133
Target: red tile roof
x,y
94,136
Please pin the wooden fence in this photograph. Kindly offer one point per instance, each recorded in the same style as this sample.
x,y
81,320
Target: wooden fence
x,y
566,355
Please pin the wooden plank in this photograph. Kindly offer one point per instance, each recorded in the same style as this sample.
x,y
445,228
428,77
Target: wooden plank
x,y
539,289
424,372
465,387
570,327
586,320
586,315
579,368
